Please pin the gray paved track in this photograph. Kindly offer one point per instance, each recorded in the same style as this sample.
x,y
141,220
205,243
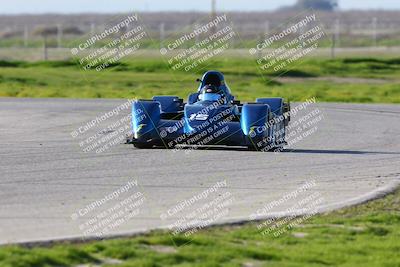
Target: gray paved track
x,y
45,177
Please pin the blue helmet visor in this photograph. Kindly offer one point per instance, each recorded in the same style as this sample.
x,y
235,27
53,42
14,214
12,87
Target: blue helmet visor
x,y
210,97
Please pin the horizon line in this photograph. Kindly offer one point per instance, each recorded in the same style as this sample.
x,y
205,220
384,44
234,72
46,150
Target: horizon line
x,y
191,11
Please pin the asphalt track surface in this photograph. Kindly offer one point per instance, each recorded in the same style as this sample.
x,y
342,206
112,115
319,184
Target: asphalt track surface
x,y
47,181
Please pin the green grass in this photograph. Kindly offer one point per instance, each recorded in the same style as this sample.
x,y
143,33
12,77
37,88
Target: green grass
x,y
363,235
145,77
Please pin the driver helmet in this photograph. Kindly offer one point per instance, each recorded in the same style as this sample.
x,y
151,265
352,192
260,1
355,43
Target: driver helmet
x,y
210,93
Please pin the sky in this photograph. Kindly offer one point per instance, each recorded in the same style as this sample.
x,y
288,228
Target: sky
x,y
112,6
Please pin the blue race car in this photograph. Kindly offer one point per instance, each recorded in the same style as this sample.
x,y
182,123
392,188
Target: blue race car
x,y
211,116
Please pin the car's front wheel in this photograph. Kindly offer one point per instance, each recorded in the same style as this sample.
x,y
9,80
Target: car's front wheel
x,y
143,145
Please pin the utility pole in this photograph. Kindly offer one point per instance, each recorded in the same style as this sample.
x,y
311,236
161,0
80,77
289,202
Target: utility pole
x,y
214,14
213,8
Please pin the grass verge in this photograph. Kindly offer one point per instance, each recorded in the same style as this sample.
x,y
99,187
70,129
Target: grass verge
x,y
363,235
145,78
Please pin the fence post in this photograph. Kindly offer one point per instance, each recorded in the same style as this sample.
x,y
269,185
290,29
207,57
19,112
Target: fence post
x,y
261,38
59,35
26,36
337,32
374,30
267,27
92,28
45,54
232,39
162,34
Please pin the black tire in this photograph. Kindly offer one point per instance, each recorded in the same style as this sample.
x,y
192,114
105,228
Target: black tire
x,y
251,148
142,145
264,148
